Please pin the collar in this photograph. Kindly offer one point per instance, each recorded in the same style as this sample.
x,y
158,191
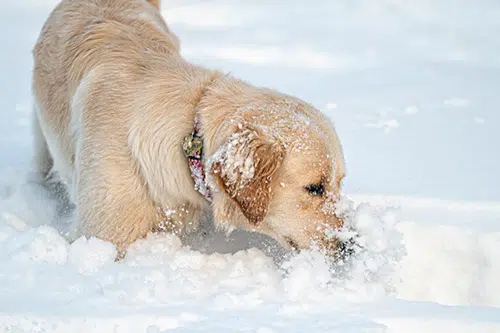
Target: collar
x,y
193,149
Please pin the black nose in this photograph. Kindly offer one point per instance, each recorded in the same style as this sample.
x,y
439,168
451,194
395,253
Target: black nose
x,y
345,248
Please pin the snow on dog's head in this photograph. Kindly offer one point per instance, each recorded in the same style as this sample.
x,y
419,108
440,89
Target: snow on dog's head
x,y
279,172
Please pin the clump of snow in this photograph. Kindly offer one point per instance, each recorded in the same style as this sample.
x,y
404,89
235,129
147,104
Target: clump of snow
x,y
87,255
307,276
41,244
236,158
378,248
365,270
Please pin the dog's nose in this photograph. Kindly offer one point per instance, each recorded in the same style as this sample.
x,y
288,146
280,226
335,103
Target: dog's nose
x,y
338,248
345,249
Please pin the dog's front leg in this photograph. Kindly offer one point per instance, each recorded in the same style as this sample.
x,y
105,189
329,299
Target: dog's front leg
x,y
112,200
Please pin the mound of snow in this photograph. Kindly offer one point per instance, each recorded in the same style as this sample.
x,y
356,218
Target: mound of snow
x,y
49,284
160,275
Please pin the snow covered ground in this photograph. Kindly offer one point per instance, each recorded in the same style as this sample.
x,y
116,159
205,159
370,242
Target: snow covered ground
x,y
412,88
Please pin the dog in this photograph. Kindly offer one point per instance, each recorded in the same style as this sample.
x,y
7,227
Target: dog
x,y
143,141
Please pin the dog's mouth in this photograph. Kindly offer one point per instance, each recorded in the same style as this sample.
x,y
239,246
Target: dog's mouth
x,y
292,244
337,250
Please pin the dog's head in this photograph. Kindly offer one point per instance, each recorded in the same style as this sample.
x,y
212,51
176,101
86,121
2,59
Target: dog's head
x,y
280,173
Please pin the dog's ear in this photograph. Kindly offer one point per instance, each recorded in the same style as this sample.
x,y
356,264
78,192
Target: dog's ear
x,y
155,3
244,167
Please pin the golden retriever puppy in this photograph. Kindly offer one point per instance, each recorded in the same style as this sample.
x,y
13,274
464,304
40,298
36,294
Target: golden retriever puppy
x,y
143,140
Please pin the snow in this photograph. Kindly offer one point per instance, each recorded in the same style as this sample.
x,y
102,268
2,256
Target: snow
x,y
479,120
235,159
456,102
409,270
411,88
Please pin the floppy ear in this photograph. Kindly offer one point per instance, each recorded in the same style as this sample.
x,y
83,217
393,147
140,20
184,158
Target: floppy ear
x,y
155,3
244,167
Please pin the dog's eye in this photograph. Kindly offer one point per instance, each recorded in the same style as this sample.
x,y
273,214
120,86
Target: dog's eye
x,y
316,189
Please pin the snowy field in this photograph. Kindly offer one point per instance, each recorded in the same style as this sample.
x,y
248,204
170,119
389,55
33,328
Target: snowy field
x,y
412,87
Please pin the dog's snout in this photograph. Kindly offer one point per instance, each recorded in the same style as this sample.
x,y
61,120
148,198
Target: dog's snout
x,y
337,247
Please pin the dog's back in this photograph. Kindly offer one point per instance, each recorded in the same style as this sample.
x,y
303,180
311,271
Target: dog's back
x,y
79,32
96,68
77,35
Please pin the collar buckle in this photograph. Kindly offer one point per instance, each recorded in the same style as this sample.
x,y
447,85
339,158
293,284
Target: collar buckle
x,y
193,146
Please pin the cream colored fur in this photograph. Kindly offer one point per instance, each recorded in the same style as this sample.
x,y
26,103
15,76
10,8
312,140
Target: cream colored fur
x,y
113,101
